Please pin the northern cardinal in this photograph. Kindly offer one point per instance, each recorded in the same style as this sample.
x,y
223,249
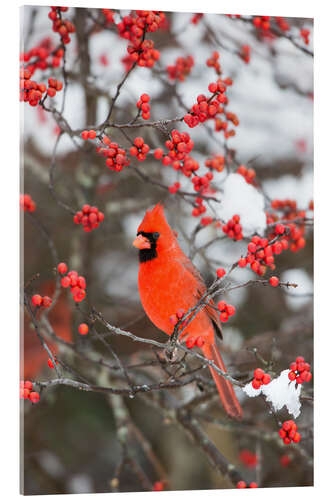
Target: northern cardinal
x,y
168,281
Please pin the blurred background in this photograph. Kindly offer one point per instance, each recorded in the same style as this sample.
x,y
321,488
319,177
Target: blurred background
x,y
70,439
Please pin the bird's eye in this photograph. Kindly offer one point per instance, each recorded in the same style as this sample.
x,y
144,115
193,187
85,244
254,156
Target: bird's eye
x,y
156,236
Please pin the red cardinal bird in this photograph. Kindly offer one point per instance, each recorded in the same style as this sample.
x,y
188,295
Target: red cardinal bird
x,y
168,281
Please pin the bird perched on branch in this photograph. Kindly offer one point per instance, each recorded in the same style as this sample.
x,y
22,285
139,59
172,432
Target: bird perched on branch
x,y
169,282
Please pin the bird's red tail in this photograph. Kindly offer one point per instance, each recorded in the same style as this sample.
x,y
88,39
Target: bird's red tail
x,y
224,387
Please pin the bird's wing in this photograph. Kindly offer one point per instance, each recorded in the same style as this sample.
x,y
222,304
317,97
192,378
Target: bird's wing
x,y
201,288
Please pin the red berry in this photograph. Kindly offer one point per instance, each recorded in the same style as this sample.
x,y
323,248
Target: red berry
x,y
200,341
83,329
220,272
279,229
158,486
224,317
231,310
25,393
28,385
258,373
36,300
34,397
285,460
47,301
241,484
274,281
62,268
50,363
190,342
65,281
287,425
256,384
297,437
266,379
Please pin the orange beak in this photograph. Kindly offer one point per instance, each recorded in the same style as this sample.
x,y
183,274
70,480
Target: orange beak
x,y
141,242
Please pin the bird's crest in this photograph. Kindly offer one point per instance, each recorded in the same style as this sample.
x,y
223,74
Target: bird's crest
x,y
154,220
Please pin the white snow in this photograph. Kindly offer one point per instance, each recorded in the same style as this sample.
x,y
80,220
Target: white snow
x,y
302,295
241,198
279,392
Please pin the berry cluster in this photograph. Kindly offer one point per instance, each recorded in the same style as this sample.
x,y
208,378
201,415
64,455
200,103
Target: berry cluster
x,y
132,28
282,23
30,91
223,125
181,69
300,371
260,378
194,341
199,207
26,391
178,157
90,217
305,35
213,62
74,281
143,106
207,107
248,173
140,149
108,14
248,458
42,56
62,26
116,158
216,162
174,188
27,203
242,484
226,310
206,221
200,184
190,341
143,53
174,318
288,432
245,53
262,22
39,301
127,62
233,228
83,329
289,211
54,87
261,255
88,134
